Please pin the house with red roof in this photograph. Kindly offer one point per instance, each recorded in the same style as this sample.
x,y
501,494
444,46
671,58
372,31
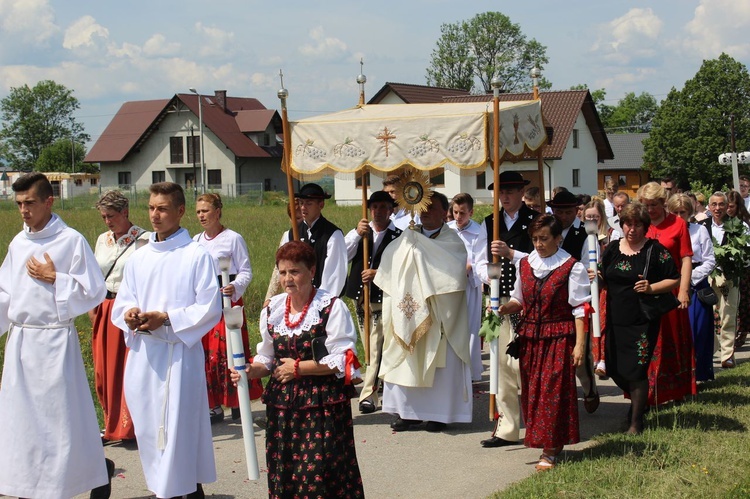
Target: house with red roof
x,y
577,143
159,140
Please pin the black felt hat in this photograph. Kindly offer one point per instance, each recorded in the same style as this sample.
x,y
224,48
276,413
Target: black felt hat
x,y
510,180
564,199
312,191
380,197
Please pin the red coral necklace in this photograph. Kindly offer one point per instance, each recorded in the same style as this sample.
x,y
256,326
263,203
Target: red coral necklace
x,y
287,310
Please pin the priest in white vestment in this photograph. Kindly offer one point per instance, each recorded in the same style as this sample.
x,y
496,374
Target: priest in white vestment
x,y
168,299
49,435
426,361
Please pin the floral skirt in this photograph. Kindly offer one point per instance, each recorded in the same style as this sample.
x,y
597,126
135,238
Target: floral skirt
x,y
548,391
310,452
629,352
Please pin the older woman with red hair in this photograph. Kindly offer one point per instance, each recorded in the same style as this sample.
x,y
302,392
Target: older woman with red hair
x,y
307,345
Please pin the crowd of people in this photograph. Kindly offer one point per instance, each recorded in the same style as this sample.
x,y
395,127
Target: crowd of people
x,y
667,303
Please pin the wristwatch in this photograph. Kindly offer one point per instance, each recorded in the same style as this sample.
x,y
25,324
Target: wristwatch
x,y
167,322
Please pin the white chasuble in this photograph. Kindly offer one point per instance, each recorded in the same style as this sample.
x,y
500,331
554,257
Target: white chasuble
x,y
49,434
423,281
165,381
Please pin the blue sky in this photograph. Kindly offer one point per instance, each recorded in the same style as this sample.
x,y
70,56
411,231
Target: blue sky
x,y
112,52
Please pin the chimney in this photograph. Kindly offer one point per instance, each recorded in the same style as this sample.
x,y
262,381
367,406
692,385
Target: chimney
x,y
221,99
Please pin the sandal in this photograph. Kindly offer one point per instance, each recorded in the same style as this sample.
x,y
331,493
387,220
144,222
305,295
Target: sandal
x,y
546,462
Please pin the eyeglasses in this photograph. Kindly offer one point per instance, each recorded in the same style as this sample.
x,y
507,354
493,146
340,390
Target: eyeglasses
x,y
592,217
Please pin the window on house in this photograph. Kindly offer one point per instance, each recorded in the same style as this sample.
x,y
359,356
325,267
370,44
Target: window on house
x,y
78,182
94,181
576,177
194,149
437,177
123,178
358,180
176,152
214,179
266,139
158,176
482,181
575,139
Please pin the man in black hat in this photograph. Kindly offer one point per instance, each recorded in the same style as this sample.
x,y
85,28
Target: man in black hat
x,y
326,239
515,218
381,232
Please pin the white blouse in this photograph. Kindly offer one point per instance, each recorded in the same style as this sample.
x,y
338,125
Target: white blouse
x,y
340,333
107,250
229,243
579,287
703,252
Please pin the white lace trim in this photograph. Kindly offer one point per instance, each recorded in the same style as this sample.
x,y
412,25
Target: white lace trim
x,y
321,300
262,359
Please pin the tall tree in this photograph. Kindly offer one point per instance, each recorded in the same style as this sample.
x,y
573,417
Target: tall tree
x,y
64,156
692,126
634,113
34,118
486,46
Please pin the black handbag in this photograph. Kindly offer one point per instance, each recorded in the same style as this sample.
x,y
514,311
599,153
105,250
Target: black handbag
x,y
656,305
513,349
707,296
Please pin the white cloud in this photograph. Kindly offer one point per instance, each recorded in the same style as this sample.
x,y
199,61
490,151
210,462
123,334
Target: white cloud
x,y
264,81
323,47
157,46
31,20
87,40
218,43
633,36
718,26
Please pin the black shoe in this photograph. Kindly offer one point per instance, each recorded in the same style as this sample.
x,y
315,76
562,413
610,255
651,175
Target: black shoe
x,y
404,424
367,407
435,426
198,494
217,415
236,414
496,442
104,491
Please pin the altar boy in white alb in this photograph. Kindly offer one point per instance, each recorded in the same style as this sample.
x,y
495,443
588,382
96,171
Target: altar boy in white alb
x,y
49,436
167,301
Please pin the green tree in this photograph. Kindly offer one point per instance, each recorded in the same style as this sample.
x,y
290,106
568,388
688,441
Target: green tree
x,y
634,113
64,157
486,46
692,126
34,118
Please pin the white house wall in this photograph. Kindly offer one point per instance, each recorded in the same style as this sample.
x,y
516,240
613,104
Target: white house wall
x,y
154,155
583,158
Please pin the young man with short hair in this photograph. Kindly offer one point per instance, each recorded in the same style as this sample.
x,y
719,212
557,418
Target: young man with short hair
x,y
49,434
474,237
168,299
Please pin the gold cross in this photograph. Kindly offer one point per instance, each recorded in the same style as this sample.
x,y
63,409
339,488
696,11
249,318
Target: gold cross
x,y
384,137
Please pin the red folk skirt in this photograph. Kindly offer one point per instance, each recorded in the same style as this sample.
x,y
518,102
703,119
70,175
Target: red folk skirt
x,y
109,352
671,374
549,400
221,391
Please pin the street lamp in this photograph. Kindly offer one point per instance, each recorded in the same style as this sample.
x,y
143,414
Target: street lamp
x,y
203,151
732,158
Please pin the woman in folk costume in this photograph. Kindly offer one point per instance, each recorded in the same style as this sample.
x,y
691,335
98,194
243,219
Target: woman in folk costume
x,y
672,371
551,288
220,241
108,349
307,346
704,262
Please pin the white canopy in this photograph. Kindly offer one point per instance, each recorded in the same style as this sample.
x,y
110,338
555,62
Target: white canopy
x,y
385,137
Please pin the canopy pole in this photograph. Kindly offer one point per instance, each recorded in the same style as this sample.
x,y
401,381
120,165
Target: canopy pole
x,y
286,160
495,229
535,75
365,266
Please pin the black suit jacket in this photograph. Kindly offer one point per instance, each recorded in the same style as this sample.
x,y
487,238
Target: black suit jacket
x,y
574,241
354,282
707,224
517,237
